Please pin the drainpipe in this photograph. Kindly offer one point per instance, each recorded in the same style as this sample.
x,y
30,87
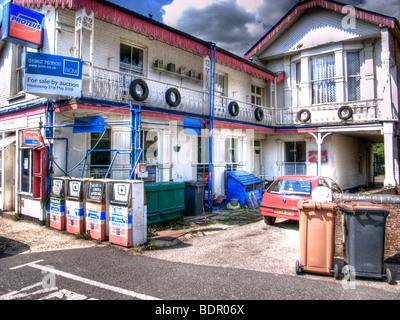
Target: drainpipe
x,y
211,129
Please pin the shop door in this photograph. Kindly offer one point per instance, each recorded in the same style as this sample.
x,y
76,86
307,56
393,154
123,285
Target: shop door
x,y
9,178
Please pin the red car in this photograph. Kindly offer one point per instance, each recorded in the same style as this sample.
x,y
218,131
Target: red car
x,y
281,198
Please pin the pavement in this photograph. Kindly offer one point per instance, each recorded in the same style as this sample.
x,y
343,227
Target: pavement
x,y
227,239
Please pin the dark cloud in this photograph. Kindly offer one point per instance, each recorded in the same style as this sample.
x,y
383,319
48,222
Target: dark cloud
x,y
222,23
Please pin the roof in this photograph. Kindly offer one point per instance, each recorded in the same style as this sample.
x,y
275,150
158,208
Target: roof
x,y
243,177
302,6
145,25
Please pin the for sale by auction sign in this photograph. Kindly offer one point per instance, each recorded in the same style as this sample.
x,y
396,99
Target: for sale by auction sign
x,y
22,26
52,76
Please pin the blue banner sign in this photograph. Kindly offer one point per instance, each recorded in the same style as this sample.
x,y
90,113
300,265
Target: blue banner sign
x,y
51,75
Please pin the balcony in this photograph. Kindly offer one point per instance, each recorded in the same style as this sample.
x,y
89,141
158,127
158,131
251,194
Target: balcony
x,y
113,86
357,112
109,85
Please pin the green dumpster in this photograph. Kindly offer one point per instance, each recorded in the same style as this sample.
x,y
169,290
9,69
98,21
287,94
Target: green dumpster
x,y
165,201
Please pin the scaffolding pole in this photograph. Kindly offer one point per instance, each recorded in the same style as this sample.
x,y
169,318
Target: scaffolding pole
x,y
211,129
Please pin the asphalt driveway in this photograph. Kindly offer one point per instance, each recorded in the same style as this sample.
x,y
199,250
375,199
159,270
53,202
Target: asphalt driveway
x,y
257,247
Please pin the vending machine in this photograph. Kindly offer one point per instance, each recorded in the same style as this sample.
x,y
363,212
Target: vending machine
x,y
75,203
96,209
57,203
128,217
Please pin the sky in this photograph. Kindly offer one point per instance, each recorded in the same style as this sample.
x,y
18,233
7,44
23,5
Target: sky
x,y
234,25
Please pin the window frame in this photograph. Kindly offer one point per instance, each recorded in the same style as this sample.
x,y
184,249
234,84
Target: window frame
x,y
130,69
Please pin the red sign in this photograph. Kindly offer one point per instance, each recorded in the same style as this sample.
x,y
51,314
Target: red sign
x,y
31,138
313,156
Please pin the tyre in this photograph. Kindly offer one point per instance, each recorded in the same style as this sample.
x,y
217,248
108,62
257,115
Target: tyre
x,y
269,220
173,97
259,114
345,113
233,109
139,90
304,115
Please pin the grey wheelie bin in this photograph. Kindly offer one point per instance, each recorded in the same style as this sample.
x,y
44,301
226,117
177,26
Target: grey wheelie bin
x,y
364,239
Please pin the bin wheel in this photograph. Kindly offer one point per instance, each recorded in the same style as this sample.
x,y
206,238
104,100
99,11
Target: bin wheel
x,y
388,275
298,267
337,272
269,220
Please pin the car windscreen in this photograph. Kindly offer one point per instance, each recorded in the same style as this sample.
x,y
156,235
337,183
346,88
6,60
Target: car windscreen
x,y
291,187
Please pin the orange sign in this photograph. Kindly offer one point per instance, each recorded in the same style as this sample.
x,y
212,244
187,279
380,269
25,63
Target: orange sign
x,y
31,138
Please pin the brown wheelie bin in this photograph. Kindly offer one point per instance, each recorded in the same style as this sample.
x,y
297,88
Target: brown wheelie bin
x,y
317,238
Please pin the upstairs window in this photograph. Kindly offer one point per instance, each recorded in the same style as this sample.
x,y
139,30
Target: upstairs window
x,y
323,73
257,95
353,76
220,84
131,59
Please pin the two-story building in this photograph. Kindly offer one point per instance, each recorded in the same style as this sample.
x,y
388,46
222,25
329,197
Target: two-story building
x,y
193,97
340,92
332,93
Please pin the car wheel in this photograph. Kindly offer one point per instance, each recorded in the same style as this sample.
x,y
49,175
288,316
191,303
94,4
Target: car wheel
x,y
269,220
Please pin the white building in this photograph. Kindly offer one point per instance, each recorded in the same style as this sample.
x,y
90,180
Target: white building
x,y
118,46
318,64
339,94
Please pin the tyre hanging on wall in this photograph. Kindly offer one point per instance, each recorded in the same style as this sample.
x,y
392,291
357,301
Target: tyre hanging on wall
x,y
259,114
139,90
345,113
173,97
233,109
304,115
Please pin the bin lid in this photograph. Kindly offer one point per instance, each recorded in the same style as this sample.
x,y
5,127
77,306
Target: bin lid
x,y
243,177
356,207
317,205
194,183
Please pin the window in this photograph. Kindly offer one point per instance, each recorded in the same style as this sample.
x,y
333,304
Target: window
x,y
257,95
353,76
323,74
131,59
295,157
220,84
231,150
17,85
150,153
298,82
100,160
26,170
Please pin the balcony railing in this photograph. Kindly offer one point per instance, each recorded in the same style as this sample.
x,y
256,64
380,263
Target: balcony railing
x,y
104,84
362,111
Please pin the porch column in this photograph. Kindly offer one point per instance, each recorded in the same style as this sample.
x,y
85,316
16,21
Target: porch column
x,y
391,149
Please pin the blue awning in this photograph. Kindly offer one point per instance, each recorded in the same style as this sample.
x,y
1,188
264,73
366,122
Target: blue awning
x,y
89,124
